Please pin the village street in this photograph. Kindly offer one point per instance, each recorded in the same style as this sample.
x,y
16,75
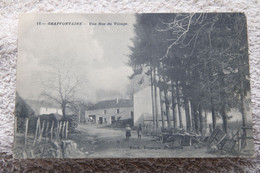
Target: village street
x,y
98,141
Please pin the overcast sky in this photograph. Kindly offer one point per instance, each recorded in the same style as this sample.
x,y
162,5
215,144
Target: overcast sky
x,y
100,52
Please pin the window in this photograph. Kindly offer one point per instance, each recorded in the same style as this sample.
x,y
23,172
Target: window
x,y
117,111
105,111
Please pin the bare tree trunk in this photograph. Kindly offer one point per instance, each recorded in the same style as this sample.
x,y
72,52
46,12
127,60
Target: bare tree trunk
x,y
161,102
194,117
210,74
223,105
174,119
179,104
187,113
64,104
162,112
156,98
224,117
201,119
167,107
212,111
205,122
152,95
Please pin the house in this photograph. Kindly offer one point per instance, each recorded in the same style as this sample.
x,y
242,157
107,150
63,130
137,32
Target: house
x,y
41,107
143,106
109,111
50,110
54,108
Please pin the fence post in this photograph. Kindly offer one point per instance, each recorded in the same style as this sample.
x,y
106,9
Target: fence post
x,y
47,131
36,130
26,131
57,131
52,124
61,129
59,126
64,129
67,127
41,130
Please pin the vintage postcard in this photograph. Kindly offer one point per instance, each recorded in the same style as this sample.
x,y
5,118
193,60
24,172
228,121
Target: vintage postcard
x,y
133,86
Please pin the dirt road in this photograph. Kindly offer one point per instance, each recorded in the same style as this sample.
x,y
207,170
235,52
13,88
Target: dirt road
x,y
99,142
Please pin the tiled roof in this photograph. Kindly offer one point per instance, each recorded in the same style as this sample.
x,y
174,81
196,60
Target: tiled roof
x,y
112,104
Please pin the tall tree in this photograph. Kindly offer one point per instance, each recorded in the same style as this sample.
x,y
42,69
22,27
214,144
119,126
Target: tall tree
x,y
63,84
204,55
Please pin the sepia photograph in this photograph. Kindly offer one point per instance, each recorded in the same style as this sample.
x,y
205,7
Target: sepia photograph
x,y
151,85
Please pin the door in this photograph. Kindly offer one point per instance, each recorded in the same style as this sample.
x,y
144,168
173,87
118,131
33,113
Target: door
x,y
92,118
100,120
113,119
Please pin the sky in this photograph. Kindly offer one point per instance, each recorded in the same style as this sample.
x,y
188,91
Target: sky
x,y
100,52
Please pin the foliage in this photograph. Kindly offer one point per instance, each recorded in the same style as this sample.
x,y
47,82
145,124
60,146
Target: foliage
x,y
73,122
203,56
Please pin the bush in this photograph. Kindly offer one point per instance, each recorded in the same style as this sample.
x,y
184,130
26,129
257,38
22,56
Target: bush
x,y
73,122
122,123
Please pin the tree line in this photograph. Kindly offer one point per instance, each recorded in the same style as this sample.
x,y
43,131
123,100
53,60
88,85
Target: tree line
x,y
198,61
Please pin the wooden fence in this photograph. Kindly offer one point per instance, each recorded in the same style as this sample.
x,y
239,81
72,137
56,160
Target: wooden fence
x,y
237,141
46,130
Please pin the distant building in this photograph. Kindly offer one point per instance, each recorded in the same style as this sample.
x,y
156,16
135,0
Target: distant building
x,y
50,110
54,109
109,111
43,107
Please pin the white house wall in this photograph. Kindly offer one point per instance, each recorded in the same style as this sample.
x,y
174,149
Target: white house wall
x,y
143,107
124,113
143,104
47,110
